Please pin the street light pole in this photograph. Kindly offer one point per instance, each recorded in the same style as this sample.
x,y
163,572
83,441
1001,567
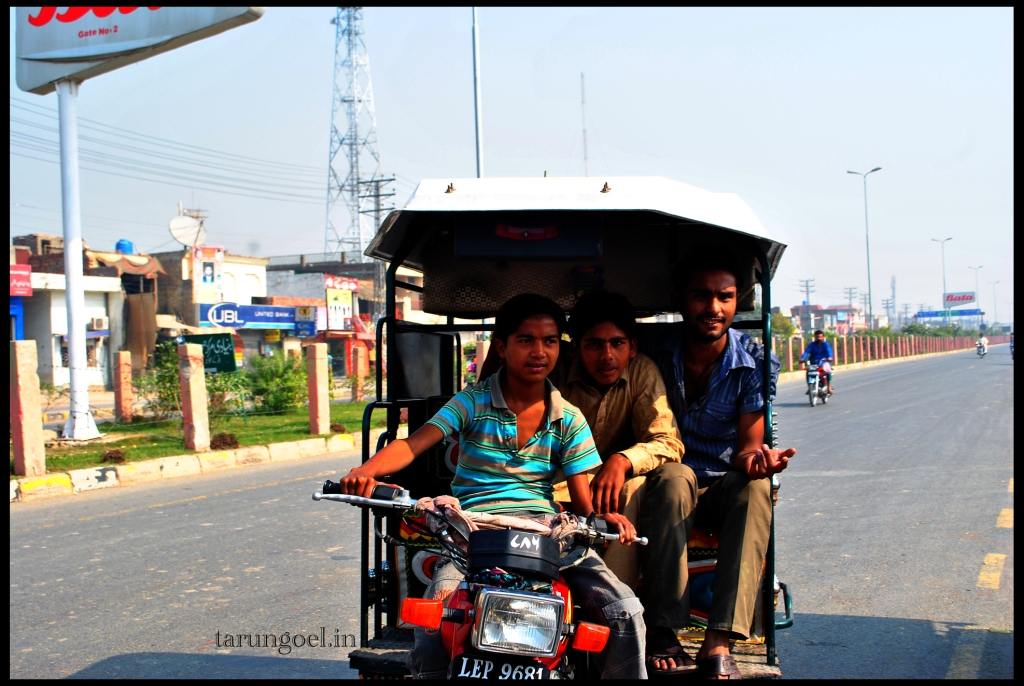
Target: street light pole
x,y
867,243
942,245
995,308
977,293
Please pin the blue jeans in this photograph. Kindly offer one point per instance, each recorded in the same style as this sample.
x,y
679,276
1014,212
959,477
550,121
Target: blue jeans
x,y
602,598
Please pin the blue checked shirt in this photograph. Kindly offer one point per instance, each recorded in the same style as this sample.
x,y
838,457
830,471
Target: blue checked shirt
x,y
709,424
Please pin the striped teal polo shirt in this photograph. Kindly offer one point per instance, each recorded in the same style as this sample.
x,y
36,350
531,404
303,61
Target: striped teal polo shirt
x,y
493,474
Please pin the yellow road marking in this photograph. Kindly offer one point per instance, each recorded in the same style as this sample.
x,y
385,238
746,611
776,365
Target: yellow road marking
x,y
992,570
1010,489
966,660
1005,519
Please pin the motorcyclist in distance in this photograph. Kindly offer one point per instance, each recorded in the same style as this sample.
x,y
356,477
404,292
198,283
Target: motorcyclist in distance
x,y
819,352
983,342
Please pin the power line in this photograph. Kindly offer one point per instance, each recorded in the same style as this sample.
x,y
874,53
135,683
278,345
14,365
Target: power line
x,y
121,133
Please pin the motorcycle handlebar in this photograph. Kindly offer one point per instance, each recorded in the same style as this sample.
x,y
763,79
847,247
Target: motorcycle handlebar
x,y
391,497
384,495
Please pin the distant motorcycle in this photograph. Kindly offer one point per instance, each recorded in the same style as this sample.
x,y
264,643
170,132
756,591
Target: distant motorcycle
x,y
816,386
980,349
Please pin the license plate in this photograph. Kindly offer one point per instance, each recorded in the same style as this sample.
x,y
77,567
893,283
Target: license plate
x,y
476,666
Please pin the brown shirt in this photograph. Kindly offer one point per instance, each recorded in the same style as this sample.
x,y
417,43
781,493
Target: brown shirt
x,y
632,417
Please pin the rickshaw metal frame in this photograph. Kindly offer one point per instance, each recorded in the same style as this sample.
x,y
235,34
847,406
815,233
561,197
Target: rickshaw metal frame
x,y
389,326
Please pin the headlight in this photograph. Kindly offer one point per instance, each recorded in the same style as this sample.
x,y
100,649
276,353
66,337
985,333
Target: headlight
x,y
518,622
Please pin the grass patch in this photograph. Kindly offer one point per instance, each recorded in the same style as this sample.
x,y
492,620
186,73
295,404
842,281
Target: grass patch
x,y
144,440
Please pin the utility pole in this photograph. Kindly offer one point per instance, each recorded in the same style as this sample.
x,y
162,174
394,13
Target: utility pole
x,y
377,211
906,315
583,109
808,287
887,304
892,298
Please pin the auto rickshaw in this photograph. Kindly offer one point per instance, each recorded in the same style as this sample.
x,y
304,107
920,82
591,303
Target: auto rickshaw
x,y
479,241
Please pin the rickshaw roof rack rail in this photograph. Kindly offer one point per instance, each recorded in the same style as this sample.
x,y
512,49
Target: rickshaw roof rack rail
x,y
575,232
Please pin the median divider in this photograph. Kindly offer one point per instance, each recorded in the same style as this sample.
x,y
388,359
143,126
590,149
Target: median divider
x,y
296,450
93,478
45,486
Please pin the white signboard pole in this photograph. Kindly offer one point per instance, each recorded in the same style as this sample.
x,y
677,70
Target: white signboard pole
x,y
80,425
59,47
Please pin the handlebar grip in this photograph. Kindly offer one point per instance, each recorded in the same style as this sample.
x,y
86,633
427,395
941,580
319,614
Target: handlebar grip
x,y
331,488
639,540
384,491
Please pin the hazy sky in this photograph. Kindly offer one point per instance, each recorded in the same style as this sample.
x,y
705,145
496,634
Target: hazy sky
x,y
774,104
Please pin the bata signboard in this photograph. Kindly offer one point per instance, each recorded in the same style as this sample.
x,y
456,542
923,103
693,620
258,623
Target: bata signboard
x,y
21,280
77,43
962,298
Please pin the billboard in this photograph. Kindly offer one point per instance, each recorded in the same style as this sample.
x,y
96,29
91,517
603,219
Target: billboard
x,y
959,298
219,353
237,316
77,43
924,314
21,279
207,267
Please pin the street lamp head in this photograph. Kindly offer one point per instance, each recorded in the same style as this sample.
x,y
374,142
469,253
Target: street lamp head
x,y
852,172
875,169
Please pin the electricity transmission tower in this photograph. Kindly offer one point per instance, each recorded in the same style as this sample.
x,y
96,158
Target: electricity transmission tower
x,y
355,185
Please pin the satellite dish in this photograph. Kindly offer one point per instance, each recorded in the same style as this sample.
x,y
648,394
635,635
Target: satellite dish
x,y
188,231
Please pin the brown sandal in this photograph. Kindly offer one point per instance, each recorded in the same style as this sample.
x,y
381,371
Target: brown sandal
x,y
677,653
718,666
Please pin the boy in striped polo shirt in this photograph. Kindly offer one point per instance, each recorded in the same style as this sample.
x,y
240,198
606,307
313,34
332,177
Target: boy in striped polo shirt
x,y
515,430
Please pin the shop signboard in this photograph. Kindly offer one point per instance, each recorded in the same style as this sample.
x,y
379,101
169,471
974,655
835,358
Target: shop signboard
x,y
235,316
218,351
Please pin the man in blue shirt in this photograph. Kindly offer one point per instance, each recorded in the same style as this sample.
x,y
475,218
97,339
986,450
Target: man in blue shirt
x,y
713,376
819,352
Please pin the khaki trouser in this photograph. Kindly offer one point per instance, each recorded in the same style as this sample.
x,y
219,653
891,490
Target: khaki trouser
x,y
664,505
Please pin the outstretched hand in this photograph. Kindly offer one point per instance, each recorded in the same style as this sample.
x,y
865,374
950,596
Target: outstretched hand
x,y
765,461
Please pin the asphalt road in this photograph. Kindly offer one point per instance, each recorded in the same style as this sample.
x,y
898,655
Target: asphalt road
x,y
886,516
138,581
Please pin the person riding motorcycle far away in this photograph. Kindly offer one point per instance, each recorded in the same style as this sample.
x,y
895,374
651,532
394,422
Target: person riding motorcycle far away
x,y
983,342
819,352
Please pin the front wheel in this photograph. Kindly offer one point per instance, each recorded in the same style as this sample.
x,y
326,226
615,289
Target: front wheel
x,y
813,394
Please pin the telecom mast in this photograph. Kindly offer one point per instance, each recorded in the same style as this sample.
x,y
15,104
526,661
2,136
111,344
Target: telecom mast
x,y
354,179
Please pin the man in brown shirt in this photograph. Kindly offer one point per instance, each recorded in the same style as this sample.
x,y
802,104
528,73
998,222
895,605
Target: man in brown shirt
x,y
622,396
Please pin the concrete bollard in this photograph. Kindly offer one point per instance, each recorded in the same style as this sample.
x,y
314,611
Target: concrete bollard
x,y
194,402
26,410
124,393
316,383
360,363
292,347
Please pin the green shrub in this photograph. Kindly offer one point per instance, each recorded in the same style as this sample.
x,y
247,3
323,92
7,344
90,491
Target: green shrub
x,y
278,382
228,391
158,388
